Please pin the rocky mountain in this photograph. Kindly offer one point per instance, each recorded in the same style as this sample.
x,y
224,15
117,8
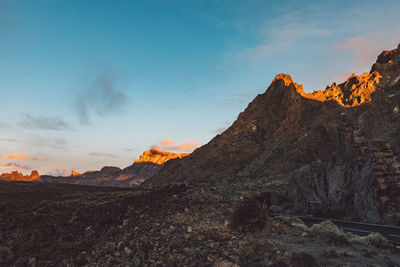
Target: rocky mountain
x,y
149,163
339,147
18,176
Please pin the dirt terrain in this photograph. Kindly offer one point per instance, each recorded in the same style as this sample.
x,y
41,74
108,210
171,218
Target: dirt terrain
x,y
70,225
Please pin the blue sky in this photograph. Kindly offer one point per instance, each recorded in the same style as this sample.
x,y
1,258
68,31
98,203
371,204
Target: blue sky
x,y
91,83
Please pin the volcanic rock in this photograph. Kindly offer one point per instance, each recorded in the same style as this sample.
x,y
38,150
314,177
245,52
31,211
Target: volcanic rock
x,y
159,157
338,148
388,65
356,91
74,173
303,259
18,176
73,225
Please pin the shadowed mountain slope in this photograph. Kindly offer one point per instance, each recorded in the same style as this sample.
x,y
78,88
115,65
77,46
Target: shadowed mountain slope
x,y
339,147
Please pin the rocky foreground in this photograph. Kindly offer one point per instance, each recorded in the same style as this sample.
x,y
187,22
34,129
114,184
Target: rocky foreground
x,y
67,225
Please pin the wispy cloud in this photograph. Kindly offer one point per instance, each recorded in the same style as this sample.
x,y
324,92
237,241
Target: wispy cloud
x,y
100,154
22,157
52,142
279,38
171,145
43,122
280,34
9,140
12,165
101,97
4,125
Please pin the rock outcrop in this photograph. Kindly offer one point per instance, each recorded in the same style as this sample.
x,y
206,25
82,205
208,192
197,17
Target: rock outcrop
x,y
356,91
149,163
339,147
74,173
18,176
159,157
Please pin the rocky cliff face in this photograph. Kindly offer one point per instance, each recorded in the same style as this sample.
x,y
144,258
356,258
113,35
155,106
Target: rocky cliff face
x,y
149,163
18,176
356,91
338,147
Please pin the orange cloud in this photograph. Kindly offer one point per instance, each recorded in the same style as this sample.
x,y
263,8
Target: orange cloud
x,y
167,142
170,145
21,156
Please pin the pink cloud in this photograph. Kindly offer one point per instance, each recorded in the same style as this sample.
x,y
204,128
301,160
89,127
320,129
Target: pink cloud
x,y
170,145
167,142
365,49
22,157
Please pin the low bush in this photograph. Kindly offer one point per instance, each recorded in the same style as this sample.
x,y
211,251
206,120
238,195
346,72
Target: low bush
x,y
330,231
326,227
377,240
6,255
356,239
290,219
249,216
294,221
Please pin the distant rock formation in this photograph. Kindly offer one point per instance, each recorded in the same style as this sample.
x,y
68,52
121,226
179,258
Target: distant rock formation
x,y
149,163
159,157
339,147
18,176
73,174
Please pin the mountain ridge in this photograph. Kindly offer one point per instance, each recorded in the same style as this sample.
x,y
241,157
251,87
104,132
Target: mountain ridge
x,y
148,164
286,137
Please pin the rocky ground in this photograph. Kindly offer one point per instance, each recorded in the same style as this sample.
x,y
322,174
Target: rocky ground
x,y
66,225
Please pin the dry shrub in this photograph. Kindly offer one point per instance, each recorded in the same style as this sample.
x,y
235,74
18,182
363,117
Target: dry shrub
x,y
249,216
330,231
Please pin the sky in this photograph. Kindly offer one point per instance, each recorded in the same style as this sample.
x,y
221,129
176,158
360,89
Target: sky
x,y
91,83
